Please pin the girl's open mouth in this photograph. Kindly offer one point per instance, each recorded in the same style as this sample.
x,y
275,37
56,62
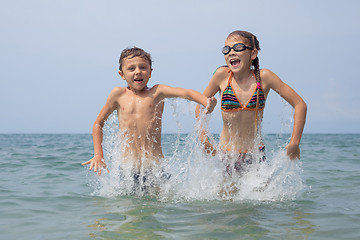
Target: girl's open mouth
x,y
235,62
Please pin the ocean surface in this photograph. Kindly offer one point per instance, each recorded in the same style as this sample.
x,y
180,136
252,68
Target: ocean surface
x,y
45,193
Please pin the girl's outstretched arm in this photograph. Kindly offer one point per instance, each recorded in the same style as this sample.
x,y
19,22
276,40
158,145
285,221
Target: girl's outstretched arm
x,y
210,91
300,107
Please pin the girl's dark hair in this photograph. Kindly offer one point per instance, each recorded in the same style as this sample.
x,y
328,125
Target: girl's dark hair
x,y
254,43
134,52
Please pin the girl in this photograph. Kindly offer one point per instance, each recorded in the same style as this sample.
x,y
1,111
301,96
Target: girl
x,y
244,89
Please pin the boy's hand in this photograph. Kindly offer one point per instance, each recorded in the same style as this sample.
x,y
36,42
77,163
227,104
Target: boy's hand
x,y
96,163
210,105
293,151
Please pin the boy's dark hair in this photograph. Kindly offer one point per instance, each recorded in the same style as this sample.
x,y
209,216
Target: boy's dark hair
x,y
134,52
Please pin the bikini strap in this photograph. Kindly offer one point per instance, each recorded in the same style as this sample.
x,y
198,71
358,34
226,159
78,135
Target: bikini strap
x,y
230,77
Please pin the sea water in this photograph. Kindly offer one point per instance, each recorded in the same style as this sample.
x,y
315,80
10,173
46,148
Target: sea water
x,y
45,193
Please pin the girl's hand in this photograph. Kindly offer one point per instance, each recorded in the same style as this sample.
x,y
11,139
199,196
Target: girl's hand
x,y
208,147
293,151
210,105
96,163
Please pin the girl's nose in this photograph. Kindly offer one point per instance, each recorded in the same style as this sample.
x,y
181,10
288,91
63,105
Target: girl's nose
x,y
232,51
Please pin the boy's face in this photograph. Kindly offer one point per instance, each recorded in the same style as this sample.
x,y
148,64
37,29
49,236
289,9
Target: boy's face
x,y
136,72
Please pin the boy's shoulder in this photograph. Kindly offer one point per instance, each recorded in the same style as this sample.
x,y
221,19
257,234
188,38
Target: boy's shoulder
x,y
158,87
117,91
160,90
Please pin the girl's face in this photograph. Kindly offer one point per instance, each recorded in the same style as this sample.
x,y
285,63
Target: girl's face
x,y
136,72
239,61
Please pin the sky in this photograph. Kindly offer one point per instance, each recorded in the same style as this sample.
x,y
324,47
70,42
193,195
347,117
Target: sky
x,y
59,58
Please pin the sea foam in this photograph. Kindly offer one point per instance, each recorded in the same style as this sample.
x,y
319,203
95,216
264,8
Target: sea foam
x,y
190,174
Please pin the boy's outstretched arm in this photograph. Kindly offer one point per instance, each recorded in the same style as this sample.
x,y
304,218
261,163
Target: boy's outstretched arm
x,y
208,102
97,162
192,95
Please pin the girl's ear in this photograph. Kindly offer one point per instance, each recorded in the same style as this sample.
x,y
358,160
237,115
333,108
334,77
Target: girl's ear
x,y
254,54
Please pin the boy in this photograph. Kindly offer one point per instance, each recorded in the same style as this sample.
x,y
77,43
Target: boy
x,y
139,111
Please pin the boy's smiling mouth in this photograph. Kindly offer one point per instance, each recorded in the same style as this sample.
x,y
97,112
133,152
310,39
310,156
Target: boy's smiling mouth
x,y
138,80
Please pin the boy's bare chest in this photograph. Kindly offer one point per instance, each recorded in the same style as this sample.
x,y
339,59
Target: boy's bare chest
x,y
137,105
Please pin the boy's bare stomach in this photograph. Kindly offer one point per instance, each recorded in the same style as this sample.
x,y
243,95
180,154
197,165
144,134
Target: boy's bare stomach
x,y
141,150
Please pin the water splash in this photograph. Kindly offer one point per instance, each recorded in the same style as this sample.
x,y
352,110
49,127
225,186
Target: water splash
x,y
189,174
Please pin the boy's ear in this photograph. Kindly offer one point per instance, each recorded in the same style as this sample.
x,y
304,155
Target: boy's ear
x,y
121,74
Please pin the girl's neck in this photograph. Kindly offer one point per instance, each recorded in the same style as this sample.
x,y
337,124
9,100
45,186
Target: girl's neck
x,y
243,75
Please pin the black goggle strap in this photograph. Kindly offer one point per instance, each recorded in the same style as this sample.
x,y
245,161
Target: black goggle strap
x,y
238,47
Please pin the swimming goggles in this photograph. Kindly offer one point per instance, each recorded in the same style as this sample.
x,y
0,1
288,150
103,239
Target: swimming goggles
x,y
238,47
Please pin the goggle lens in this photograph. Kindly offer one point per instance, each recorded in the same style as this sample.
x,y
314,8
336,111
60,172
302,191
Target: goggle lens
x,y
238,47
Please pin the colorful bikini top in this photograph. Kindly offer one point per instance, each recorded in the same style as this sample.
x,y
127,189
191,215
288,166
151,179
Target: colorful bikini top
x,y
230,102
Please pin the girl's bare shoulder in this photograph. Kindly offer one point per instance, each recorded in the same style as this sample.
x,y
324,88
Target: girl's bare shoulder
x,y
221,74
222,71
268,77
266,73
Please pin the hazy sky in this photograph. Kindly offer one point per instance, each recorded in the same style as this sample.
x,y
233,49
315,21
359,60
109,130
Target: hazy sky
x,y
59,58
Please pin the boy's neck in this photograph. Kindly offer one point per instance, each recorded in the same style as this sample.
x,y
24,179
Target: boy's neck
x,y
135,91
